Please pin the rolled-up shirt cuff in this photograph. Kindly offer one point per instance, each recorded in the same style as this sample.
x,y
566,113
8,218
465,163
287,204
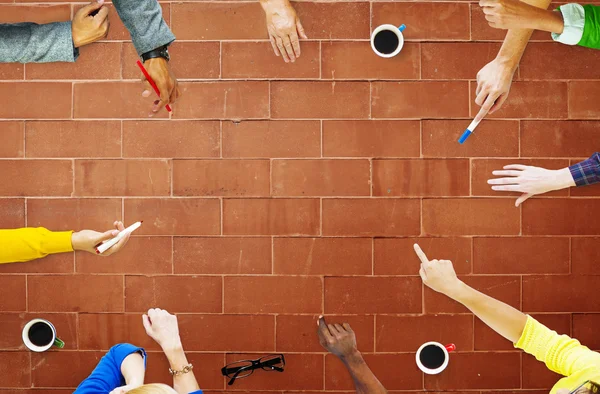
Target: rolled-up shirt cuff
x,y
574,21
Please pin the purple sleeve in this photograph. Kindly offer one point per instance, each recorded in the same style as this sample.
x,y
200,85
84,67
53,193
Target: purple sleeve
x,y
587,172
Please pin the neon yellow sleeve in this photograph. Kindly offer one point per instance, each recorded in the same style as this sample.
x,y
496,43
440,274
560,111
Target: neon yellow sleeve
x,y
26,244
561,353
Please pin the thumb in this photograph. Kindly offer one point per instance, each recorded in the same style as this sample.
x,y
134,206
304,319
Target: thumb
x,y
521,199
93,6
107,235
147,324
300,29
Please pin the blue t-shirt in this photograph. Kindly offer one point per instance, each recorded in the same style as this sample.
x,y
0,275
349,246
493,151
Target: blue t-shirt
x,y
107,374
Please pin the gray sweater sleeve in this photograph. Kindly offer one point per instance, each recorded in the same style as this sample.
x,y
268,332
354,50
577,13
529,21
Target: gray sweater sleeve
x,y
143,19
30,42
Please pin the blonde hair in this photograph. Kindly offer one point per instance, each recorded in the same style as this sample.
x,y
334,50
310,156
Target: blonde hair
x,y
154,388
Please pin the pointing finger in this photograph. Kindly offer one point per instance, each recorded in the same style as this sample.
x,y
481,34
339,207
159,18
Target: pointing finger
x,y
421,254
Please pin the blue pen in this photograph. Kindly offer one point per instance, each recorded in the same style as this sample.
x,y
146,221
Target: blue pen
x,y
468,131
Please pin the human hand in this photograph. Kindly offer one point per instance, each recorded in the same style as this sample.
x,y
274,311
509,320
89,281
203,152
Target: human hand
x,y
493,85
161,326
509,14
87,240
159,70
284,27
439,275
337,339
530,180
90,23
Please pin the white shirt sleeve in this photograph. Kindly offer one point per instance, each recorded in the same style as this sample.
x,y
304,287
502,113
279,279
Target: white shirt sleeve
x,y
574,19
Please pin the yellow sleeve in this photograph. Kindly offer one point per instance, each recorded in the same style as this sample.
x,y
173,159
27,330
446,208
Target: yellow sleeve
x,y
560,353
26,244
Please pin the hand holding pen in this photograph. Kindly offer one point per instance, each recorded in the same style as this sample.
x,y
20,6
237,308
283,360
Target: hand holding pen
x,y
157,76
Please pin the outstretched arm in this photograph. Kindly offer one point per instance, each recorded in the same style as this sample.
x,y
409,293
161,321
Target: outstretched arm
x,y
341,341
502,318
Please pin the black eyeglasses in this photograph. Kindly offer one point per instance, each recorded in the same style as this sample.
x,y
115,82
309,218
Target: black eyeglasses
x,y
588,385
245,368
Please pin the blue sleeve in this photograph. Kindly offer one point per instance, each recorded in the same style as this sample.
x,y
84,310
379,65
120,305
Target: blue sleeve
x,y
196,392
107,374
587,172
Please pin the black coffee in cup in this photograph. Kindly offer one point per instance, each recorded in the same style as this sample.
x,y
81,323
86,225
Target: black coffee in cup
x,y
386,41
40,334
432,357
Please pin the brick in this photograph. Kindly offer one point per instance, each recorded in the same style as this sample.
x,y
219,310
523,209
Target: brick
x,y
481,30
537,62
158,368
142,255
173,293
65,324
549,138
257,60
86,67
12,212
186,63
112,100
537,375
178,139
478,371
12,134
503,288
222,255
360,295
416,330
36,178
308,366
273,294
13,293
419,99
356,60
494,138
122,178
532,99
514,255
12,71
218,21
404,178
15,361
298,333
560,217
16,13
117,30
481,172
61,263
221,177
74,293
338,378
396,256
584,329
474,216
35,100
49,368
487,339
339,20
74,214
271,216
319,99
440,60
101,331
425,21
582,95
266,139
231,333
373,217
584,255
371,138
73,139
559,293
181,216
321,178
229,100
322,256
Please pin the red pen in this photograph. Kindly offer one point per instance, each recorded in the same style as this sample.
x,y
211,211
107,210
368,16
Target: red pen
x,y
151,81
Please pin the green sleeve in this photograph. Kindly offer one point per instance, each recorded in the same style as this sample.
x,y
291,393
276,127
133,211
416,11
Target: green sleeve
x,y
591,29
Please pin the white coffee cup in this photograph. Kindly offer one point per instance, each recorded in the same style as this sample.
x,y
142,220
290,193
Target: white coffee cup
x,y
395,30
39,335
445,349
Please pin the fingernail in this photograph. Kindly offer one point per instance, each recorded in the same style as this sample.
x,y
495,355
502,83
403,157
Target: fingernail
x,y
115,233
